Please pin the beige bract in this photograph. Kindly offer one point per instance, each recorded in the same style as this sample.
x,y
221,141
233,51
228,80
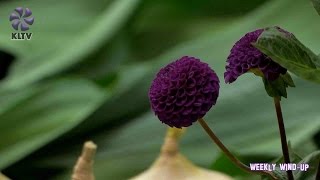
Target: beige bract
x,y
171,164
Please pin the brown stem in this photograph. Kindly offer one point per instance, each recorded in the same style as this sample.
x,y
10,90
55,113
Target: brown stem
x,y
228,153
283,137
318,172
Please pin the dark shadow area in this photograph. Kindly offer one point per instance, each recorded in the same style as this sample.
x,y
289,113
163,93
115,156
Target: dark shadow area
x,y
316,139
6,61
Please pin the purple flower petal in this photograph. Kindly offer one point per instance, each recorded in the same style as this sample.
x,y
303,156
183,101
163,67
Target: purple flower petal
x,y
193,89
244,56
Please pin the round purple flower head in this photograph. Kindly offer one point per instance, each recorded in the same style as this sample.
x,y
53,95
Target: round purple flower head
x,y
183,91
244,57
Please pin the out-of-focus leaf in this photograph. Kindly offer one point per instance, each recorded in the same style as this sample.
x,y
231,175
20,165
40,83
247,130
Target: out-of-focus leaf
x,y
225,165
92,27
162,24
38,115
313,160
294,157
316,4
128,86
306,168
290,53
282,175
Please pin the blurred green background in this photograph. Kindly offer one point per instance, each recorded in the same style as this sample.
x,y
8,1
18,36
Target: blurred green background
x,y
87,70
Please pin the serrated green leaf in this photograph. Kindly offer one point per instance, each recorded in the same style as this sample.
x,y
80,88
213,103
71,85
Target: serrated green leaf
x,y
278,87
41,114
288,80
290,53
316,4
275,89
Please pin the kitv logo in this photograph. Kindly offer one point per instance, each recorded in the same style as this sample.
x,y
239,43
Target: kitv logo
x,y
21,19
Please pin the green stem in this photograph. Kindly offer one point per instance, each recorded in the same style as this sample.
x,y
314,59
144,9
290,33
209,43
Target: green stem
x,y
229,154
283,136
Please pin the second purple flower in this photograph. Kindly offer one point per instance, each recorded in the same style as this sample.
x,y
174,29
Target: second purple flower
x,y
245,57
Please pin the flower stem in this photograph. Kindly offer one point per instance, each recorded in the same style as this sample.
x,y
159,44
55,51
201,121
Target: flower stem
x,y
318,173
283,137
170,145
228,153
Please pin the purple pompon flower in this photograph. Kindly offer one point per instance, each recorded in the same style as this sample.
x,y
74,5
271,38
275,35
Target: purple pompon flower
x,y
183,91
245,57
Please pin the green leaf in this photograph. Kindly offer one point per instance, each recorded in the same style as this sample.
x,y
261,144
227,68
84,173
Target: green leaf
x,y
294,158
316,4
223,164
313,160
38,115
69,43
278,87
290,53
288,80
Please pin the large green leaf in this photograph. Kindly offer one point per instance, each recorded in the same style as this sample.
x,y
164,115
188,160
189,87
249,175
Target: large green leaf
x,y
290,53
86,28
244,117
37,115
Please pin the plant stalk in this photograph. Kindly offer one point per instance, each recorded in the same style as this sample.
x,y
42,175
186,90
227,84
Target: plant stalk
x,y
283,136
318,172
229,154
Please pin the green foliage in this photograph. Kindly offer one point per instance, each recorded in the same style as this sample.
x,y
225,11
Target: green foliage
x,y
278,87
33,117
316,4
66,41
312,160
290,53
116,45
223,164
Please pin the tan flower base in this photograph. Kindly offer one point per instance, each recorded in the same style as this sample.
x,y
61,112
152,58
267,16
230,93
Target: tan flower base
x,y
173,165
